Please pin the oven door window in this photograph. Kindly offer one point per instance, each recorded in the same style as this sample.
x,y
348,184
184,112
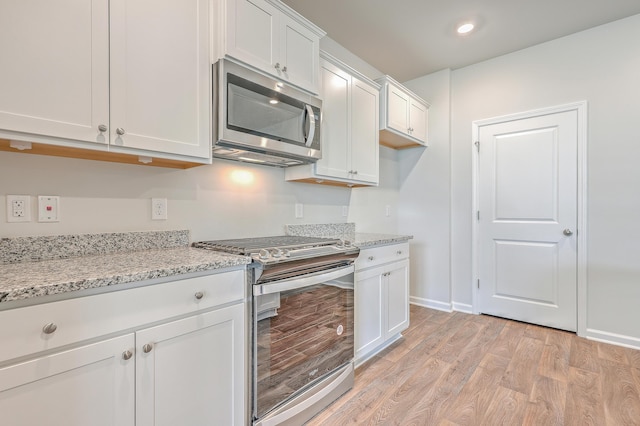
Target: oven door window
x,y
301,336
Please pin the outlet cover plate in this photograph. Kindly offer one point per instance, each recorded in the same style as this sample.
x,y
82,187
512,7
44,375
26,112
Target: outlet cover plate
x,y
18,208
48,208
159,209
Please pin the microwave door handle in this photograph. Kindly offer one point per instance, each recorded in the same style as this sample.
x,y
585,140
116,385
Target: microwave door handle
x,y
312,125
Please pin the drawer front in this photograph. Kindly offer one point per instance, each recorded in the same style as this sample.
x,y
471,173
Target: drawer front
x,y
380,255
29,330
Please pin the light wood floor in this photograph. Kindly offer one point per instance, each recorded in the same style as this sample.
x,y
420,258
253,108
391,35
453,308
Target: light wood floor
x,y
460,369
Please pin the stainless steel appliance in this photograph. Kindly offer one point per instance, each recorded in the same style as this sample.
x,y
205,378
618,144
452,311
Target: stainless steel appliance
x,y
260,120
302,324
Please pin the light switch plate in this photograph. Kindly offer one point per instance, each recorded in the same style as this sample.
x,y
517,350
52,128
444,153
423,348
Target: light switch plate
x,y
48,208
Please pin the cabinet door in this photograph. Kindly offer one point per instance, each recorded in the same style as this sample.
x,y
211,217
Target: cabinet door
x,y
397,288
397,109
89,385
193,370
252,33
160,72
418,120
55,68
370,311
335,160
299,55
364,131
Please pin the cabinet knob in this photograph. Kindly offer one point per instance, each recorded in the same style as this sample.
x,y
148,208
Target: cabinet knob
x,y
277,66
147,348
355,172
567,232
102,128
370,257
49,328
120,131
399,252
126,355
284,69
199,295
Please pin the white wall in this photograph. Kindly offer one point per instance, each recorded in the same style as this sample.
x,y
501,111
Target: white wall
x,y
424,196
600,66
108,197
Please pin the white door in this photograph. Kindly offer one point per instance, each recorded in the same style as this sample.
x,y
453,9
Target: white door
x,y
527,202
192,371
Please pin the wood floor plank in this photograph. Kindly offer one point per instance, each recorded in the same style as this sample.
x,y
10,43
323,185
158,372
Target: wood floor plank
x,y
620,394
554,362
559,378
522,369
506,344
507,408
612,353
584,355
475,397
546,403
584,405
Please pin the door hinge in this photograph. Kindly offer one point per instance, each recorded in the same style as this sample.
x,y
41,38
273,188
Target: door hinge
x,y
477,144
478,282
478,214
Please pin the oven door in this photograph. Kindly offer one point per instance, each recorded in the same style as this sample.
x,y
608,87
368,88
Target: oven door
x,y
303,332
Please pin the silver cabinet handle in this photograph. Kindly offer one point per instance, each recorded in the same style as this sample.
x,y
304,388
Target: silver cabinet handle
x,y
49,328
370,257
355,172
126,355
568,232
284,69
120,131
102,128
147,348
199,295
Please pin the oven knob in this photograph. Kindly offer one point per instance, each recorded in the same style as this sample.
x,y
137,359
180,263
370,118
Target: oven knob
x,y
264,254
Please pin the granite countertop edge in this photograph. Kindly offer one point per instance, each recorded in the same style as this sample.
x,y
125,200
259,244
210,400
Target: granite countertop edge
x,y
367,240
27,280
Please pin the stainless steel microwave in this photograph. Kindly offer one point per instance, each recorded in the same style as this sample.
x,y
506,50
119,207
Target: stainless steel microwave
x,y
260,120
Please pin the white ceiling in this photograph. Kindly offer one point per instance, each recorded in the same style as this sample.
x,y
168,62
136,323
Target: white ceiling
x,y
411,38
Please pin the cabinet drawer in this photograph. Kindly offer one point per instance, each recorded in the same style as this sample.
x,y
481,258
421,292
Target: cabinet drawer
x,y
23,332
381,255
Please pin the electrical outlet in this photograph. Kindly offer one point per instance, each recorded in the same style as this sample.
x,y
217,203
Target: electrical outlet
x,y
48,208
18,208
345,211
387,210
158,209
299,211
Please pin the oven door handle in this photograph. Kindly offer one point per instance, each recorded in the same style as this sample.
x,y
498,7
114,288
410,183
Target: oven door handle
x,y
300,282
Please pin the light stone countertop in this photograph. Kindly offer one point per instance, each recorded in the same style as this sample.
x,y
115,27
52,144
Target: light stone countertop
x,y
346,231
20,281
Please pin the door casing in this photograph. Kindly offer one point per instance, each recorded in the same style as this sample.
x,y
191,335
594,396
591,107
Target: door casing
x,y
581,230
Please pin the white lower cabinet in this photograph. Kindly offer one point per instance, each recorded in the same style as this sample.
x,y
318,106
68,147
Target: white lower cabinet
x,y
381,299
181,360
88,385
190,371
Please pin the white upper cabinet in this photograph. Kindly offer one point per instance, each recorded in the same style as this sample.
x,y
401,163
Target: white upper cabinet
x,y
160,72
55,68
350,151
273,38
403,116
124,76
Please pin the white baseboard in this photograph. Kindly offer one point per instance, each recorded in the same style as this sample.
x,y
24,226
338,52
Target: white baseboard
x,y
613,338
462,307
428,303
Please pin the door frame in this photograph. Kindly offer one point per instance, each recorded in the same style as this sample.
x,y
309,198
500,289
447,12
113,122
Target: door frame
x,y
581,190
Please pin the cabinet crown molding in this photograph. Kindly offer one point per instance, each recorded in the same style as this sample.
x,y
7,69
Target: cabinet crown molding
x,y
388,79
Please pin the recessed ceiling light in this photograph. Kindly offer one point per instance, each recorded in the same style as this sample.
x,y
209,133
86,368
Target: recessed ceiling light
x,y
465,28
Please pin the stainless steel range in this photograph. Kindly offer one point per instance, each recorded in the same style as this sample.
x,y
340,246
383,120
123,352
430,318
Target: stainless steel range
x,y
302,323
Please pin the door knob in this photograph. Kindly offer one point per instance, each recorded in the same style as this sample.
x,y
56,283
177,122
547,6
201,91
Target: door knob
x,y
568,232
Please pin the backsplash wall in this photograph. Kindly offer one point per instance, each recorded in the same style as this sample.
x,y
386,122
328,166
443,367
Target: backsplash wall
x,y
109,197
